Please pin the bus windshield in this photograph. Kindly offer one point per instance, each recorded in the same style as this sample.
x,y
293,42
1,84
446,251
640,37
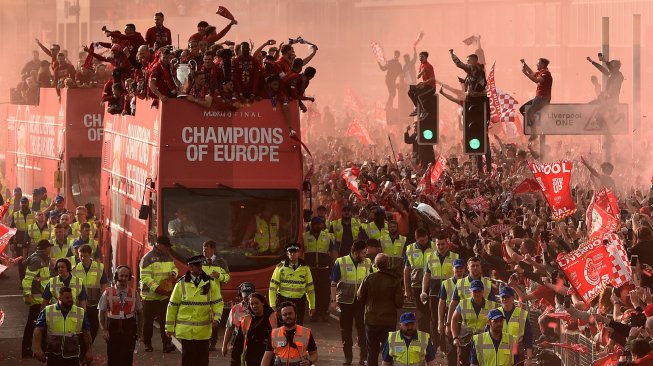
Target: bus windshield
x,y
85,180
251,227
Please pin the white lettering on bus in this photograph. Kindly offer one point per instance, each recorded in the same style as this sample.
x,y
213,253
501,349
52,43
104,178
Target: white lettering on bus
x,y
137,145
233,144
94,127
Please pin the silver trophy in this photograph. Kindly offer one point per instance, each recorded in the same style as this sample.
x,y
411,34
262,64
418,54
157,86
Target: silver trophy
x,y
183,75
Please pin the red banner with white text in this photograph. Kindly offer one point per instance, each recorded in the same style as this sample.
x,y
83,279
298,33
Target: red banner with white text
x,y
602,214
554,180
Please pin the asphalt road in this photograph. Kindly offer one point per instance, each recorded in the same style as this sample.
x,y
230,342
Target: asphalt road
x,y
327,336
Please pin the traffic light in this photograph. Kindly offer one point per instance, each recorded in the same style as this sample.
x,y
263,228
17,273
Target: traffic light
x,y
427,123
475,131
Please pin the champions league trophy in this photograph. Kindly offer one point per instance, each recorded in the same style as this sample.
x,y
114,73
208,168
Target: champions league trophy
x,y
183,74
300,40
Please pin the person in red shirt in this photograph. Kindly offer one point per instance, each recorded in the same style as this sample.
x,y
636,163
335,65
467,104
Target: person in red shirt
x,y
144,59
288,55
297,82
421,93
44,76
201,26
63,71
118,59
275,93
210,71
211,36
134,40
199,92
161,83
542,98
226,98
245,73
52,52
158,36
107,91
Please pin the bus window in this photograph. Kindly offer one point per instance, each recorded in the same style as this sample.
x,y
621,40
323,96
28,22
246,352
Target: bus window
x,y
85,180
250,226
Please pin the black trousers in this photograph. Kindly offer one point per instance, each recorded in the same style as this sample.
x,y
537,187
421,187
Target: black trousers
x,y
214,336
350,313
420,95
34,311
121,344
322,283
194,352
376,336
300,305
463,354
154,309
423,311
433,330
450,350
93,315
57,360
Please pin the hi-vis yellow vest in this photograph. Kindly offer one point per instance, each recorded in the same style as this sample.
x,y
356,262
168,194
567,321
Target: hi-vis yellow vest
x,y
351,277
487,355
413,355
267,234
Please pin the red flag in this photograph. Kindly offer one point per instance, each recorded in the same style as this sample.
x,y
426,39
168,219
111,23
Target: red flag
x,y
564,316
431,176
554,179
3,209
478,204
350,175
356,129
424,185
88,62
589,269
224,12
581,348
498,229
620,264
502,104
611,359
351,101
5,235
378,53
527,186
438,169
602,214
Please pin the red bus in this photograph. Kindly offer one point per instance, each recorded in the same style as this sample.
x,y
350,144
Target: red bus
x,y
57,144
205,175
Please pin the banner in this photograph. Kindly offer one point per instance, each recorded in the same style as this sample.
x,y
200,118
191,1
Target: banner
x,y
478,204
527,186
554,179
350,175
222,11
438,169
356,129
431,176
502,105
602,214
378,53
498,229
5,235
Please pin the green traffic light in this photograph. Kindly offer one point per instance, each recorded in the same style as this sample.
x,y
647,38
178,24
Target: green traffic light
x,y
428,134
474,143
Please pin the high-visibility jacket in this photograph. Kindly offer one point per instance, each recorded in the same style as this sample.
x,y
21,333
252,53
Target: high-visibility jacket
x,y
439,271
337,229
60,251
394,249
56,283
91,280
292,283
351,276
37,274
449,285
23,221
475,322
117,309
237,312
267,234
63,333
155,267
417,260
76,228
284,354
91,242
220,266
246,322
316,251
192,309
413,355
517,324
464,292
373,232
37,233
487,355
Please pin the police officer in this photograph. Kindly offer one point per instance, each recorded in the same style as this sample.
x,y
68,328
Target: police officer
x,y
494,347
291,344
346,277
446,290
408,346
517,324
121,318
392,244
63,323
414,263
462,290
95,281
217,268
438,268
345,230
157,269
470,318
21,220
233,322
292,281
319,252
65,278
194,310
37,274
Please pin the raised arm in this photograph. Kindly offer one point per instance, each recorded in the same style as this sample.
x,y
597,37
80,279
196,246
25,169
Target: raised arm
x,y
601,68
308,58
459,63
45,49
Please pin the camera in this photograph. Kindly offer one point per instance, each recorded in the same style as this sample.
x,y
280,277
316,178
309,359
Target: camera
x,y
639,319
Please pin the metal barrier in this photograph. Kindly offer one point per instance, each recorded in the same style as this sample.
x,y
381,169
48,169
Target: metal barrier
x,y
574,358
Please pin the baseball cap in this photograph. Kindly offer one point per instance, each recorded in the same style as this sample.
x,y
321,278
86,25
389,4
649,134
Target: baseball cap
x,y
506,291
316,220
476,285
246,288
24,199
292,247
42,244
197,259
495,314
458,263
59,198
77,244
163,240
43,189
407,318
379,211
